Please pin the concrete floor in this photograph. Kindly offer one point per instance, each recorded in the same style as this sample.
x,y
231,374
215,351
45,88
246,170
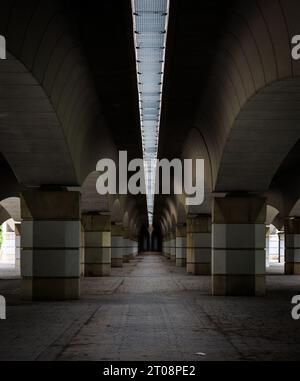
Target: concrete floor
x,y
151,310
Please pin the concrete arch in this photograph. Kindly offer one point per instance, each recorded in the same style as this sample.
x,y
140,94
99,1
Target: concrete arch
x,y
181,213
284,191
39,89
253,67
126,221
4,215
295,212
163,226
171,207
9,183
272,213
13,207
91,200
195,148
116,211
269,122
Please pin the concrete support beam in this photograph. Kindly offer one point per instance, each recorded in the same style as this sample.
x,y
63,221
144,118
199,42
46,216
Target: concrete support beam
x,y
292,246
117,245
133,247
50,241
126,246
82,250
97,245
199,245
173,246
167,253
181,246
238,261
129,249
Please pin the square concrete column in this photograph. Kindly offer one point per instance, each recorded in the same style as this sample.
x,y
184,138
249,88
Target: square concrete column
x,y
199,245
168,246
97,245
136,247
238,261
82,256
126,246
133,248
50,241
117,245
181,244
292,246
130,249
164,246
17,246
173,246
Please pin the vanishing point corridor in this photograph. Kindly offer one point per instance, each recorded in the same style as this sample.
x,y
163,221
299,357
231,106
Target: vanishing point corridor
x,y
151,309
149,184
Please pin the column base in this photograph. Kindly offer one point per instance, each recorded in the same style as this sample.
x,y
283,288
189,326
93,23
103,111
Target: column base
x,y
125,258
180,262
117,262
97,270
292,268
239,285
50,289
173,258
199,268
130,257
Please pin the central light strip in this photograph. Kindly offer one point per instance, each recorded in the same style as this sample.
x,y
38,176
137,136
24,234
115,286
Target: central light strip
x,y
150,20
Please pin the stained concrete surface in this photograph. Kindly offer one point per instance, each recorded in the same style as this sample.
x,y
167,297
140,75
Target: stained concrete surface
x,y
151,310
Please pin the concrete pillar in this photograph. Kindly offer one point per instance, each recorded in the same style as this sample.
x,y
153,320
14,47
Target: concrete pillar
x,y
97,245
130,248
281,247
133,248
126,246
50,240
17,246
292,246
117,245
181,244
173,246
168,246
199,245
238,261
82,249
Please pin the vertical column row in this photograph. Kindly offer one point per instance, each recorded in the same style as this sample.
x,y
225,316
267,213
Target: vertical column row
x,y
292,246
117,245
172,246
126,245
97,245
82,256
181,243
